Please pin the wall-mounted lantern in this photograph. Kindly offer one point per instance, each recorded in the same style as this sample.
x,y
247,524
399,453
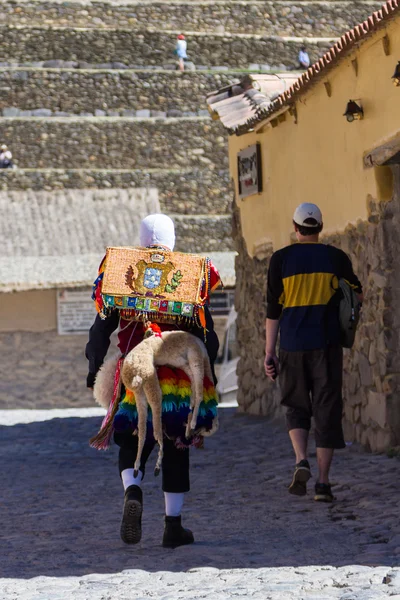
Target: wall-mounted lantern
x,y
396,76
354,112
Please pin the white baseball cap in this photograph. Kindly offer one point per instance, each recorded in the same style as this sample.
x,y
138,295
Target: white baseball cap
x,y
306,211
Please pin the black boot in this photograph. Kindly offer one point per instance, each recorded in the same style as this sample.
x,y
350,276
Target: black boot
x,y
131,526
175,535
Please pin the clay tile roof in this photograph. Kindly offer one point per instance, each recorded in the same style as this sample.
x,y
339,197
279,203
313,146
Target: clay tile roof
x,y
320,68
244,100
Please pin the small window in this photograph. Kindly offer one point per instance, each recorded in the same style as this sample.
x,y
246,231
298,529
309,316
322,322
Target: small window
x,y
221,302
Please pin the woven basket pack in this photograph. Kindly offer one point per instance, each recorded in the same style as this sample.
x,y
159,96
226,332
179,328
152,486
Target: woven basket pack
x,y
155,284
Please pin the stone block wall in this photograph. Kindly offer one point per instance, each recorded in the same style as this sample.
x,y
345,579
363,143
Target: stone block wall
x,y
266,18
114,143
372,366
256,394
143,47
43,370
189,192
195,234
80,91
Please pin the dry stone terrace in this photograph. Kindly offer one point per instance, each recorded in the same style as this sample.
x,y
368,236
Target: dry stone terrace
x,y
281,18
186,191
73,60
114,142
143,47
105,92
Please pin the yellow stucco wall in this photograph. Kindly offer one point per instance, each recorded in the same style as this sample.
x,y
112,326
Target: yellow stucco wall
x,y
320,159
28,311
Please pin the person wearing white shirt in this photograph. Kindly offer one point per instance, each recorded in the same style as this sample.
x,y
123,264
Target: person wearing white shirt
x,y
180,51
5,157
303,58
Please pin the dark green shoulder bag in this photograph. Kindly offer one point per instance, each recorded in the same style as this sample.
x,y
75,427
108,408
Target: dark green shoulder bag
x,y
349,313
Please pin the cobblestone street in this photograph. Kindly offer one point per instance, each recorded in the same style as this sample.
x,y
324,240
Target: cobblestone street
x,y
61,505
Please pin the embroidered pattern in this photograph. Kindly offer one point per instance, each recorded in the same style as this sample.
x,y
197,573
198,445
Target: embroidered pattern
x,y
166,286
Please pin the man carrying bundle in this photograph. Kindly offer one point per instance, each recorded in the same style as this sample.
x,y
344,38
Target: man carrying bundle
x,y
154,272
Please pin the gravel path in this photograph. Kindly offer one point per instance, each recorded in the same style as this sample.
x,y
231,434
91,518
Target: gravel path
x,y
61,501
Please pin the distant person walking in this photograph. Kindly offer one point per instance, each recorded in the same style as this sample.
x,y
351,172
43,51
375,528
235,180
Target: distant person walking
x,y
5,158
303,58
302,279
181,51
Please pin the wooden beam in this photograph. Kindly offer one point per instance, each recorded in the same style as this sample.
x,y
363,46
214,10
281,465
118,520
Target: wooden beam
x,y
381,155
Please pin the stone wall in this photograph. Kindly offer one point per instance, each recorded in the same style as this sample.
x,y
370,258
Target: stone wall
x,y
372,367
143,47
266,18
208,233
43,370
256,394
191,192
115,143
116,93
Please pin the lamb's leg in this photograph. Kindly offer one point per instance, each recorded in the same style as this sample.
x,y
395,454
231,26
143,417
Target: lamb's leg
x,y
141,404
213,429
207,369
197,392
154,397
209,375
196,368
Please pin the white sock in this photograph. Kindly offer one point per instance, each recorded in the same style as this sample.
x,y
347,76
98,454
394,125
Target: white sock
x,y
173,504
128,478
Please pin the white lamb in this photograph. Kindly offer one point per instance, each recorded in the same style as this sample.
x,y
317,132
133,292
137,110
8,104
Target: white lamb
x,y
139,374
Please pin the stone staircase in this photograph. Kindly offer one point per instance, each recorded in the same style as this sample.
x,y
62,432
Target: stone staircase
x,y
90,98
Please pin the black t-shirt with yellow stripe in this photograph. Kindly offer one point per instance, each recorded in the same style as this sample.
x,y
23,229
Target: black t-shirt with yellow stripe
x,y
302,279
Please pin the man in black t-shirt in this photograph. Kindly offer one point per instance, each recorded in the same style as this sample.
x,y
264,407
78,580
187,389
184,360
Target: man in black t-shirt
x,y
302,279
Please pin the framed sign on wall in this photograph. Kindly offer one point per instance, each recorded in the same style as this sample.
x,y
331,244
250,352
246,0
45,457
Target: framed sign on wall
x,y
75,311
249,171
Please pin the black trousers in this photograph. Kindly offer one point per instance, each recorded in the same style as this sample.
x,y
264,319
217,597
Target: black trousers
x,y
175,463
311,386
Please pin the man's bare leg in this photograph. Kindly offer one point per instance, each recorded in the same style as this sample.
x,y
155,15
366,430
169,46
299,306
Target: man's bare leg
x,y
299,439
324,458
323,492
302,473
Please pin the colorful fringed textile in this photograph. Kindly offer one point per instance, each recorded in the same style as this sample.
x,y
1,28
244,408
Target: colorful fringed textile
x,y
101,441
176,391
162,295
96,289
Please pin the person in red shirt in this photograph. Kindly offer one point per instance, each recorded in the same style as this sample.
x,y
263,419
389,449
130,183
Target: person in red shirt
x,y
157,231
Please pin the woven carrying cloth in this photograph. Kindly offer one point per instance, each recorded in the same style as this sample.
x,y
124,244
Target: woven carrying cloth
x,y
122,415
176,391
159,285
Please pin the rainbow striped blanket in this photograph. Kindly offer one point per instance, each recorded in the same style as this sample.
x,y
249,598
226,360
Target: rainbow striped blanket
x,y
176,391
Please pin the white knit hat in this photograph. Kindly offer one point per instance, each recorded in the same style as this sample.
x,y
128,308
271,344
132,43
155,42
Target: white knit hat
x,y
157,230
